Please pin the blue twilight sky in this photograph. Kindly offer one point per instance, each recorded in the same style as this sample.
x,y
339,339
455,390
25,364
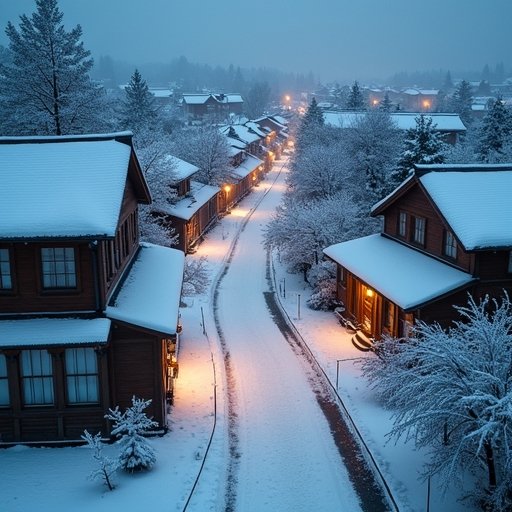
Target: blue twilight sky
x,y
335,39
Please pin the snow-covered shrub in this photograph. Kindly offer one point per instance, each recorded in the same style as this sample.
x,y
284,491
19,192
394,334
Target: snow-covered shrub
x,y
130,426
450,392
195,276
105,466
323,280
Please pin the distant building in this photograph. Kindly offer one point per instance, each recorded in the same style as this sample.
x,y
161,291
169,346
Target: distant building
x,y
198,108
449,125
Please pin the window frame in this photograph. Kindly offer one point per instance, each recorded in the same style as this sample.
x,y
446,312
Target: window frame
x,y
4,382
80,376
402,223
6,264
30,378
449,245
419,221
70,277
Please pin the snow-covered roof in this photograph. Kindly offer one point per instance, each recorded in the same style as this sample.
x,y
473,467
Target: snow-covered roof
x,y
53,331
405,276
402,120
244,133
150,295
181,169
196,99
200,194
158,92
199,99
280,120
62,189
256,127
475,200
247,166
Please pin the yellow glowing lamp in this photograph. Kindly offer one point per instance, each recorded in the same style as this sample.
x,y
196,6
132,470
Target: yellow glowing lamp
x,y
227,189
369,292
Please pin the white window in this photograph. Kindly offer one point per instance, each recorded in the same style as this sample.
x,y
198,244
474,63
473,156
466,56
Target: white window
x,y
82,375
37,375
419,230
5,270
4,383
450,245
58,267
402,224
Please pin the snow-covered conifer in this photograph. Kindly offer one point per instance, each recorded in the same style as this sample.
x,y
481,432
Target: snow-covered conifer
x,y
495,142
422,145
47,90
356,100
105,466
130,427
461,102
138,108
450,392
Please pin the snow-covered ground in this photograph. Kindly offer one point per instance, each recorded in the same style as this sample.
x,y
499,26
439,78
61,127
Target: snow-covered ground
x,y
46,479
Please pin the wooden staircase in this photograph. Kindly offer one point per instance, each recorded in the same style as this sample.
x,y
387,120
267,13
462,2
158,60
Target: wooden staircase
x,y
362,342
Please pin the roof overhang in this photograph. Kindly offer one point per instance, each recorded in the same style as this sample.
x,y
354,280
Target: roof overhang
x,y
405,276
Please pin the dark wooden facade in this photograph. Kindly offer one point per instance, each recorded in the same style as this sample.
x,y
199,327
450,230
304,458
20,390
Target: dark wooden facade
x,y
131,361
372,313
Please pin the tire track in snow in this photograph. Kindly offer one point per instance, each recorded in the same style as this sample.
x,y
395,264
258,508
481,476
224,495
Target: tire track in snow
x,y
233,440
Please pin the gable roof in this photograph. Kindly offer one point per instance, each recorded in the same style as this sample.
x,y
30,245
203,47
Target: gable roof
x,y
402,120
474,200
69,186
391,268
149,296
181,169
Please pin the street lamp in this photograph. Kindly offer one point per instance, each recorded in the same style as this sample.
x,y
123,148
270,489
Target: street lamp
x,y
227,189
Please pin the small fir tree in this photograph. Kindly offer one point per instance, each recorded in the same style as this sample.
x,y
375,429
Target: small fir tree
x,y
131,426
386,104
495,134
139,104
422,145
105,466
355,100
314,115
462,101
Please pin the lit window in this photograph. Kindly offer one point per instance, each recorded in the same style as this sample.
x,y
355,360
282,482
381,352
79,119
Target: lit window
x,y
450,245
402,224
419,230
82,375
4,383
5,270
37,375
58,267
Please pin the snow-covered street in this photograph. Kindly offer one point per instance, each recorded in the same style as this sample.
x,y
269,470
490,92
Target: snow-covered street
x,y
288,459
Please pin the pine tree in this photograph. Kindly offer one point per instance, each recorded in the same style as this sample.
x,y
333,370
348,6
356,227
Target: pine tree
x,y
462,101
448,83
386,104
313,116
495,134
422,145
47,89
131,426
355,100
139,105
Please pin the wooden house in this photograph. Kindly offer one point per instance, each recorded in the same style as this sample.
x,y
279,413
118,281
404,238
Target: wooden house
x,y
196,207
88,315
198,108
447,232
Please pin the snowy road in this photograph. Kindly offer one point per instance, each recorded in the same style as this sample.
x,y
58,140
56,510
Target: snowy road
x,y
288,459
